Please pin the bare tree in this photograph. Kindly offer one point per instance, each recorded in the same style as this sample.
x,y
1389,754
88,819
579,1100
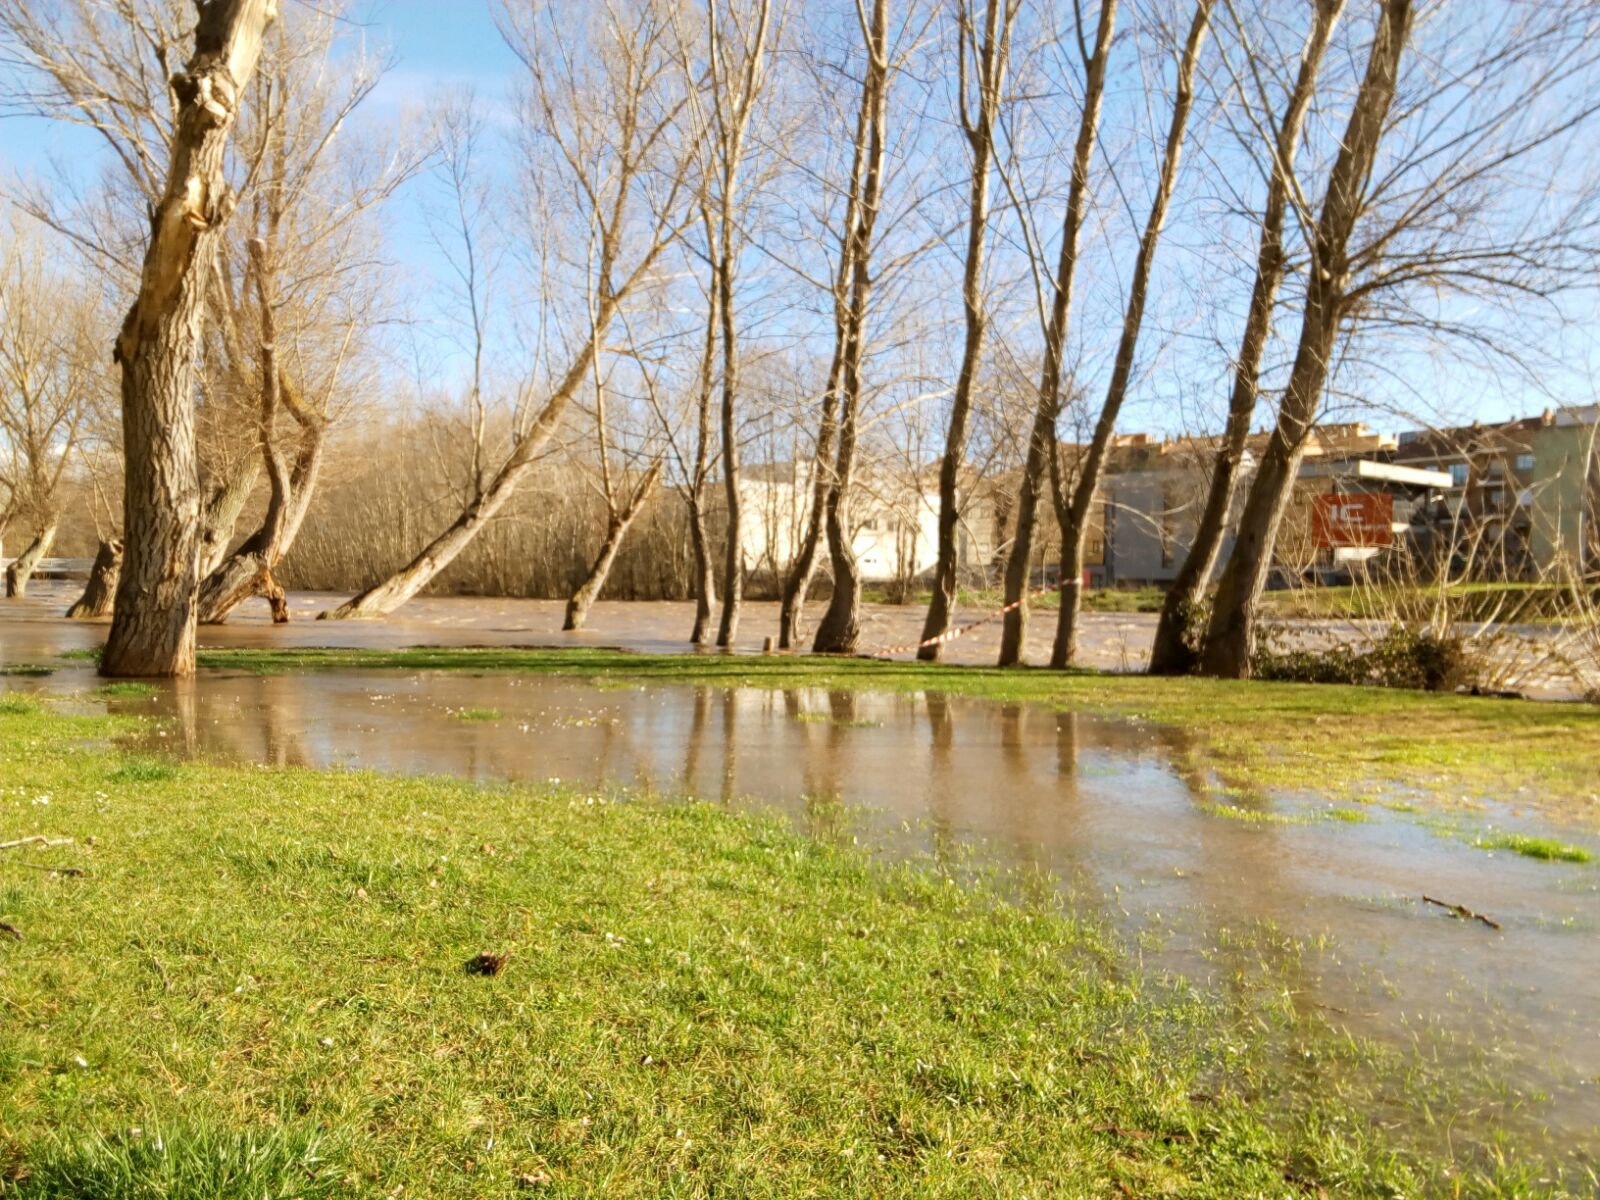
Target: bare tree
x,y
1073,516
840,625
1041,447
48,385
1453,218
602,97
1230,634
981,61
153,626
1171,653
735,75
623,498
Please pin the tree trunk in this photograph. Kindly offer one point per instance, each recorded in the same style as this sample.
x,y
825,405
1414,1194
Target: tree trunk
x,y
248,571
20,571
840,626
797,583
383,598
733,548
1172,652
1230,633
1042,452
705,571
101,590
221,515
1074,518
616,529
153,622
991,55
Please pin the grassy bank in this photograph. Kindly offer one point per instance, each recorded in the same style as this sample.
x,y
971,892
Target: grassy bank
x,y
243,982
1352,743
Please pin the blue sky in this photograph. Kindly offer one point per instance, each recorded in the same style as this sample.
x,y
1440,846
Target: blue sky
x,y
446,44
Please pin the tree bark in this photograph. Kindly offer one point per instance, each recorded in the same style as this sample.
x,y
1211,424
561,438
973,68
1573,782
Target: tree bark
x,y
153,622
733,548
1074,518
20,571
705,571
221,514
617,525
840,626
1172,653
797,583
101,590
1042,452
1230,633
991,56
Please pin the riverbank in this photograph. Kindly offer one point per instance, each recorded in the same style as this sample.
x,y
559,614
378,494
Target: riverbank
x,y
280,970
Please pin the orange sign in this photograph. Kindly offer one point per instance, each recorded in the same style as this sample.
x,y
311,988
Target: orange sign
x,y
1353,519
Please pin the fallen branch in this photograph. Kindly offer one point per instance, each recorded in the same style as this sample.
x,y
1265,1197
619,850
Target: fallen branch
x,y
37,839
51,869
10,931
1462,911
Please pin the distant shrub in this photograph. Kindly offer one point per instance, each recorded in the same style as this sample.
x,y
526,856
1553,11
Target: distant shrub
x,y
1400,658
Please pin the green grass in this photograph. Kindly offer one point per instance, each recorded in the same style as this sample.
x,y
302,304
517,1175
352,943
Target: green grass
x,y
265,971
1342,742
1543,848
477,714
25,670
192,1162
125,690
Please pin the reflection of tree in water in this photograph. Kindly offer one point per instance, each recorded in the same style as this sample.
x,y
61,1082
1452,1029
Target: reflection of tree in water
x,y
699,721
942,784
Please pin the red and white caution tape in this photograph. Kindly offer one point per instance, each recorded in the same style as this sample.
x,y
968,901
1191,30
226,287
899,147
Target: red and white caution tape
x,y
950,635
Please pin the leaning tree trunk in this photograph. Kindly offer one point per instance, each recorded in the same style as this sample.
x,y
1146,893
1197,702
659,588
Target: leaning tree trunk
x,y
20,571
1230,633
220,515
616,529
1172,652
153,622
1074,518
991,70
840,627
1042,453
101,590
383,598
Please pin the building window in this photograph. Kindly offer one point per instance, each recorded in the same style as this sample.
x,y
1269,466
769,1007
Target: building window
x,y
1458,474
1410,436
1524,462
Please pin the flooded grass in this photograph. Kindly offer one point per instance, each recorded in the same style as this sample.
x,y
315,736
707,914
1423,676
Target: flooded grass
x,y
686,1000
1543,848
477,714
125,690
1434,748
25,671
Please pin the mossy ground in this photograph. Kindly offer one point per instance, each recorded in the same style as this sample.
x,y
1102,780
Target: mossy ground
x,y
257,985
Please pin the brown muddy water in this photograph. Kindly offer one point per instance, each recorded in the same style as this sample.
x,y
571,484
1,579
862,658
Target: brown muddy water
x,y
1130,817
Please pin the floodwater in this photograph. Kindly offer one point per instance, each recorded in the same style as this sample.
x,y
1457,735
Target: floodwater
x,y
1124,813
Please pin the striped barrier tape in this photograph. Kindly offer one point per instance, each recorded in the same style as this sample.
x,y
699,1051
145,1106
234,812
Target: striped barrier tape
x,y
950,635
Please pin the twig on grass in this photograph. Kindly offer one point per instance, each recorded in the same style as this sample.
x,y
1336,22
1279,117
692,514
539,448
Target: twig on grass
x,y
37,839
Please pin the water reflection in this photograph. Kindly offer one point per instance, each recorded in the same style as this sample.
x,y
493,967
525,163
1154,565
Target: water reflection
x,y
1139,815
